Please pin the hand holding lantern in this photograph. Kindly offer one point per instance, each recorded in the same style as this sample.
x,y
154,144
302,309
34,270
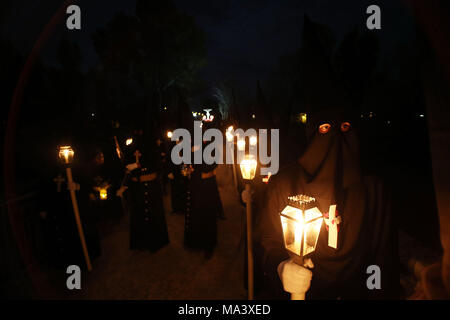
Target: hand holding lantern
x,y
296,279
301,222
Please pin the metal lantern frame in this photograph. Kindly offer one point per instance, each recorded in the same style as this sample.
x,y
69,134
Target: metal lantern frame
x,y
310,219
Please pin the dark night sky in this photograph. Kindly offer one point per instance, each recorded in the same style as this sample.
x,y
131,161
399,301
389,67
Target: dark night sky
x,y
244,38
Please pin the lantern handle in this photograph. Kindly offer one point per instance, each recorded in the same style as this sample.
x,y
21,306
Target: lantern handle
x,y
297,259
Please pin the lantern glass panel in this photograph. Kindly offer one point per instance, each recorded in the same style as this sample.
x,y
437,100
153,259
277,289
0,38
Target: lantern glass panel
x,y
301,229
248,167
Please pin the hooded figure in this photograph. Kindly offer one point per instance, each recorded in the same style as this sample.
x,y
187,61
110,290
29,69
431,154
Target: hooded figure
x,y
179,179
203,207
329,171
148,227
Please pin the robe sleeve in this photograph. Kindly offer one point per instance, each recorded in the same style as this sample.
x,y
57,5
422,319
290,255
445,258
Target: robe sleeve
x,y
384,241
270,232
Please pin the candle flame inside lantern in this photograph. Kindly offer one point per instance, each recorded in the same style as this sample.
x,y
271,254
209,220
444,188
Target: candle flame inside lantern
x,y
103,193
248,167
303,117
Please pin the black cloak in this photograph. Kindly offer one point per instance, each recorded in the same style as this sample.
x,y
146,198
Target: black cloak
x,y
329,171
148,227
203,206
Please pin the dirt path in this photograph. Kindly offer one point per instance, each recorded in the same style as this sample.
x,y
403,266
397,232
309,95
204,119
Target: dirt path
x,y
173,272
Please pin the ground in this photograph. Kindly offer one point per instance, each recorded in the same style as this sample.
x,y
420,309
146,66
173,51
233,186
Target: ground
x,y
173,272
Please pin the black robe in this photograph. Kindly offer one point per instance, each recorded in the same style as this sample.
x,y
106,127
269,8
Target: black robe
x,y
61,238
329,171
148,227
366,225
203,205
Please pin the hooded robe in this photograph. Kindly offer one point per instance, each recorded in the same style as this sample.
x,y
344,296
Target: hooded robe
x,y
329,171
203,207
148,227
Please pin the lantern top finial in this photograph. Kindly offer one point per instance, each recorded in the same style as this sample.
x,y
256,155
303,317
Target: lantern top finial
x,y
301,200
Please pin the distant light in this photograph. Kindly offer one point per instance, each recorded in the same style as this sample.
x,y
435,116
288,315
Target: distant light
x,y
169,134
194,114
229,136
253,140
266,179
422,115
230,128
241,144
93,114
362,116
303,117
165,108
208,117
129,141
253,116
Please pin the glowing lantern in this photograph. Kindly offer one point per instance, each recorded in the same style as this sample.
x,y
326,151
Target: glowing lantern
x,y
129,141
303,117
103,193
66,154
248,167
241,144
301,222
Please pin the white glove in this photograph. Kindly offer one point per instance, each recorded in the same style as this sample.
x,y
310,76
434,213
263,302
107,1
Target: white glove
x,y
296,279
246,196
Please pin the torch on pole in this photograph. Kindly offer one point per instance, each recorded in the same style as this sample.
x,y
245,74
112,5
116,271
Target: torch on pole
x,y
66,155
248,170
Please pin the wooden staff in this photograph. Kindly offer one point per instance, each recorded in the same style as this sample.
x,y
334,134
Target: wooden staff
x,y
77,219
249,243
301,261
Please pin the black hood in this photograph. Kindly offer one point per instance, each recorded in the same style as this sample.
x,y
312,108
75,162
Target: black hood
x,y
331,160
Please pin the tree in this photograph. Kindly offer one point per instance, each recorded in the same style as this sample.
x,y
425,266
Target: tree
x,y
159,46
